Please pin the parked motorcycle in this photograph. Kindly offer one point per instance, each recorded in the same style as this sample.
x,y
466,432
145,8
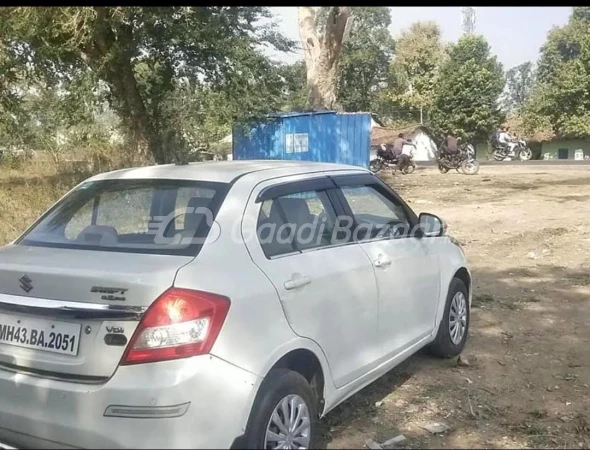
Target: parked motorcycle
x,y
385,158
520,151
463,161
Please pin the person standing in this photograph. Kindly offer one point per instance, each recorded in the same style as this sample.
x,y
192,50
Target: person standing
x,y
402,147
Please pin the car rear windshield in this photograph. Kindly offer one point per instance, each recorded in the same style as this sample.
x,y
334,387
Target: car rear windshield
x,y
140,216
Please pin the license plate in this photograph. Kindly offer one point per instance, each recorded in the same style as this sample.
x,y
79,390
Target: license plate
x,y
40,334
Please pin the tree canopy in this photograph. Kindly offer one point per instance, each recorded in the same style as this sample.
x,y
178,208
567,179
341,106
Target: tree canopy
x,y
519,82
153,62
365,58
467,89
171,80
419,54
560,100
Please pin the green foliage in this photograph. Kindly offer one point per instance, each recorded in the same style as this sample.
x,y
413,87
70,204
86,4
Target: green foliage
x,y
467,90
581,13
519,81
560,101
144,58
10,97
365,59
295,88
419,54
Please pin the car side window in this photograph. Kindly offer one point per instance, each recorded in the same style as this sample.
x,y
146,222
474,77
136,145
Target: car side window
x,y
375,214
295,222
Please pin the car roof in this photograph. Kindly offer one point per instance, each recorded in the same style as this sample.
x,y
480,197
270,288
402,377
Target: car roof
x,y
222,171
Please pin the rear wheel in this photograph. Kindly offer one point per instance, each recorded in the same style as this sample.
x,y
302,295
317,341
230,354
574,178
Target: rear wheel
x,y
454,326
375,165
442,169
284,414
499,156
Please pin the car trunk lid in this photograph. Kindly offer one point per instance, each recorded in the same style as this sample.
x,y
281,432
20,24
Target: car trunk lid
x,y
75,310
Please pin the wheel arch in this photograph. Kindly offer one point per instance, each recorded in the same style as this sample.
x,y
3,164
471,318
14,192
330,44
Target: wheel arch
x,y
464,275
453,266
306,357
306,363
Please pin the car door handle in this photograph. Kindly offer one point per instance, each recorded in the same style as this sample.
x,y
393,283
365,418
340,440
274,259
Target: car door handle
x,y
382,261
297,282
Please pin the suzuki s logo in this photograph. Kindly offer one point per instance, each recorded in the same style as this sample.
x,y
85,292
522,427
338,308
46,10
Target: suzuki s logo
x,y
26,283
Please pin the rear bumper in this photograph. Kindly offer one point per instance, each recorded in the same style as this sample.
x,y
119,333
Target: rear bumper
x,y
42,413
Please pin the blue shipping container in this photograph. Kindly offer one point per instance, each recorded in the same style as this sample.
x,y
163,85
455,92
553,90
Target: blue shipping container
x,y
325,136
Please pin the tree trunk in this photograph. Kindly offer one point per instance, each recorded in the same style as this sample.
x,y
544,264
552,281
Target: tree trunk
x,y
322,54
110,53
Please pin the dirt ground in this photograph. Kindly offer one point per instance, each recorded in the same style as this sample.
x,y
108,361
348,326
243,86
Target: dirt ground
x,y
526,233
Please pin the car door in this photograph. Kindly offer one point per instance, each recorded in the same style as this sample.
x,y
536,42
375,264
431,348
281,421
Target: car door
x,y
326,287
407,272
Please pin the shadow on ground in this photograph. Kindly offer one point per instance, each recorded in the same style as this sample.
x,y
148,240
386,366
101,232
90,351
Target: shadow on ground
x,y
529,334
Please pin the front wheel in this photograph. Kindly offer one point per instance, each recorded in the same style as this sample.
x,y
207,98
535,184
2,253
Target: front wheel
x,y
525,154
470,167
442,168
284,414
410,168
375,165
454,326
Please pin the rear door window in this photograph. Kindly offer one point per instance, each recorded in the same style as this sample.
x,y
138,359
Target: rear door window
x,y
145,216
296,222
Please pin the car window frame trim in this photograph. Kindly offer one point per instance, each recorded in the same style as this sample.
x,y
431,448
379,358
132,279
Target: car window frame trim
x,y
320,183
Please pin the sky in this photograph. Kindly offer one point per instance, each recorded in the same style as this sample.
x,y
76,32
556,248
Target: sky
x,y
515,34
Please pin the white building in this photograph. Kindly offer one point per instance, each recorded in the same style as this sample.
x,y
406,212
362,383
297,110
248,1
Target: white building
x,y
425,142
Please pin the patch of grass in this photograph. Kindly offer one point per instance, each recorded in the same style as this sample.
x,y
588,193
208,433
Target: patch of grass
x,y
539,414
512,306
25,196
581,425
481,299
29,190
579,279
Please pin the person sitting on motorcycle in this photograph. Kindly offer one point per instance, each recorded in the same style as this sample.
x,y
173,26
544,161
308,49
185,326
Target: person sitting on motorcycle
x,y
386,152
504,139
512,141
452,144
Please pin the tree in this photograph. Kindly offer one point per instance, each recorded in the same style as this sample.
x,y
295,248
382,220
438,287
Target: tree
x,y
11,113
295,86
519,81
560,100
365,58
418,56
143,55
467,90
322,39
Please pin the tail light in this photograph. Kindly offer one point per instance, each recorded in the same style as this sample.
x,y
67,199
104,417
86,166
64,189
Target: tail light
x,y
179,324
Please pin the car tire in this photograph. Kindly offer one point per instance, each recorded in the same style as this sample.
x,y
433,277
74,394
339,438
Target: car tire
x,y
281,384
445,345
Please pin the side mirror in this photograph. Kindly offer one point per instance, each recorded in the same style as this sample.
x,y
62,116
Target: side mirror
x,y
430,225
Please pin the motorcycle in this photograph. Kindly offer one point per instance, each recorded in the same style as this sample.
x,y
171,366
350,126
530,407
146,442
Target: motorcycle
x,y
517,150
385,158
463,161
